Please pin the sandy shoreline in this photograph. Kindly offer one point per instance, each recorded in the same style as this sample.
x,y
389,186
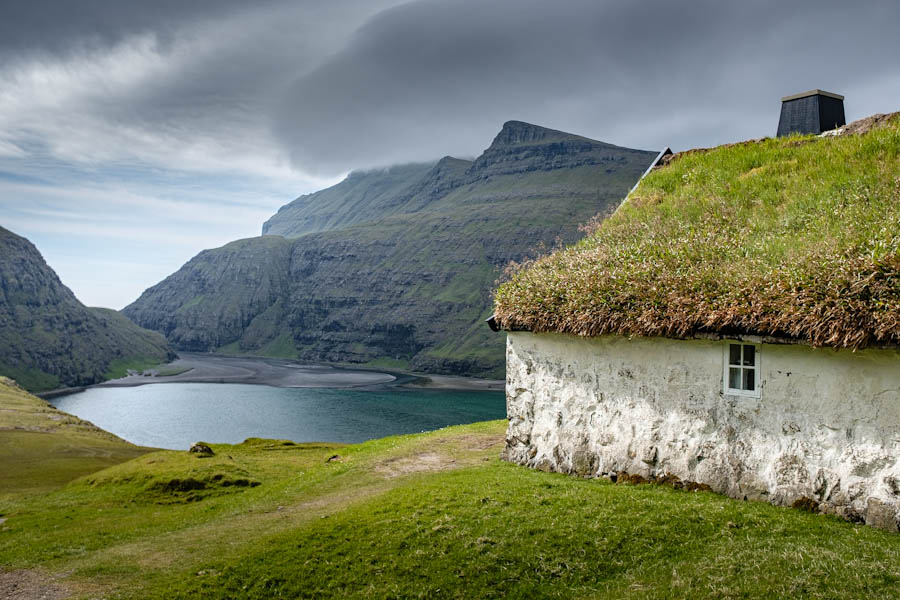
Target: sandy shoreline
x,y
275,372
452,382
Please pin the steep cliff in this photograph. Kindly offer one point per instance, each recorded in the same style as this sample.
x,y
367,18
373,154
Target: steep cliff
x,y
394,267
48,338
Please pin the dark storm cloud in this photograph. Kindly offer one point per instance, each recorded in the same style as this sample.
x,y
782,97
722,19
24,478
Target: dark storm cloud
x,y
433,77
361,83
173,84
54,25
130,122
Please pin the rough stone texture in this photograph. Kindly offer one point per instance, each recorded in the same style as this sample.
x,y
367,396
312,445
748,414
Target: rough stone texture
x,y
201,449
826,427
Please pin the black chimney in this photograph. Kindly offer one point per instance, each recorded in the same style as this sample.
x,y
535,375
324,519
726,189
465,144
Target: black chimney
x,y
814,111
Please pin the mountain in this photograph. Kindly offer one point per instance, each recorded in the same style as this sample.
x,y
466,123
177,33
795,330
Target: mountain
x,y
394,267
50,339
362,196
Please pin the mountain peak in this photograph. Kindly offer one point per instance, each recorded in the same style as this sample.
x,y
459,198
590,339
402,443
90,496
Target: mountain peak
x,y
521,147
520,132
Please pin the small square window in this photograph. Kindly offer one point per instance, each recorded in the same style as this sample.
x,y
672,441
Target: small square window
x,y
741,369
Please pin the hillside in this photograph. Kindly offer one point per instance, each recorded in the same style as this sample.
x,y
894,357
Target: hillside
x,y
435,515
42,448
394,267
793,237
48,338
362,196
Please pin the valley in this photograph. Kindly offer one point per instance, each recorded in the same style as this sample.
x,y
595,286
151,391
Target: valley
x,y
394,268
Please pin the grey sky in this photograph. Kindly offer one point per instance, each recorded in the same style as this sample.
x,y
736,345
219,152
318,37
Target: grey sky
x,y
134,134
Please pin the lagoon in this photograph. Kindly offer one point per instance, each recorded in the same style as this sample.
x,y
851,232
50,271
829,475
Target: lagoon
x,y
174,415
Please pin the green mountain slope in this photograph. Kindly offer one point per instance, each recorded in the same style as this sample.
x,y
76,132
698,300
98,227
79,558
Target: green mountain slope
x,y
360,197
404,278
50,339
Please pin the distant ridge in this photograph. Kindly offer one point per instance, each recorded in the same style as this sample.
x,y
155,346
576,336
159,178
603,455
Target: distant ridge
x,y
361,196
394,267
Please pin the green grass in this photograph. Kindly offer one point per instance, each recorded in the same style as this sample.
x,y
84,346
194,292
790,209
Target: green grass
x,y
42,448
434,515
195,301
387,363
793,237
31,378
119,367
232,349
280,347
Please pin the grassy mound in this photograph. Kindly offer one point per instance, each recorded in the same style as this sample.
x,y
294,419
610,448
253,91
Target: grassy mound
x,y
434,515
793,237
174,478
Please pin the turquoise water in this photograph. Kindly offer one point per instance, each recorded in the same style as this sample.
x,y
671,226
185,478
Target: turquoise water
x,y
174,415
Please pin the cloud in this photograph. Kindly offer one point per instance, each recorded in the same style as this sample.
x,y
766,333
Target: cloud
x,y
151,130
278,89
10,150
175,88
50,26
438,76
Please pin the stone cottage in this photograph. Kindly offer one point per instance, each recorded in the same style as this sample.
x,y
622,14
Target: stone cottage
x,y
735,323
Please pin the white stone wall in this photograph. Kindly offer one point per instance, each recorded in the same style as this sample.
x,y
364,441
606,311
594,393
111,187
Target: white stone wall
x,y
826,425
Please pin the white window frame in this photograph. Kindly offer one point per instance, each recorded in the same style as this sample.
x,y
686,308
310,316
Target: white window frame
x,y
756,368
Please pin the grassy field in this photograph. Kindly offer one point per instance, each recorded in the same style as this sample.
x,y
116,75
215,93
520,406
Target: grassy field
x,y
434,515
42,448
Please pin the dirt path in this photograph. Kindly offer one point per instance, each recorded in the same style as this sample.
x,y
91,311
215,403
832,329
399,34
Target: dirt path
x,y
29,585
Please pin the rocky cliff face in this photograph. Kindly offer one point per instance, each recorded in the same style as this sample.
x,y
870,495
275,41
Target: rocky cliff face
x,y
47,337
394,267
220,295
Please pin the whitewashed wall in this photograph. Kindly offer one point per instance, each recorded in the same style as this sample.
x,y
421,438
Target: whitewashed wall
x,y
826,427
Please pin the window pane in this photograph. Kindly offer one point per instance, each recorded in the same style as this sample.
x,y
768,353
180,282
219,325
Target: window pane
x,y
749,355
734,354
734,378
749,377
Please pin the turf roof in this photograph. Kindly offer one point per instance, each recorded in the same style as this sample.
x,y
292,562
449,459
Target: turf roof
x,y
795,237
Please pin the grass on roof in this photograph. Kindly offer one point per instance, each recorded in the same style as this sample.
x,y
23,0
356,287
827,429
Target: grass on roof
x,y
793,237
